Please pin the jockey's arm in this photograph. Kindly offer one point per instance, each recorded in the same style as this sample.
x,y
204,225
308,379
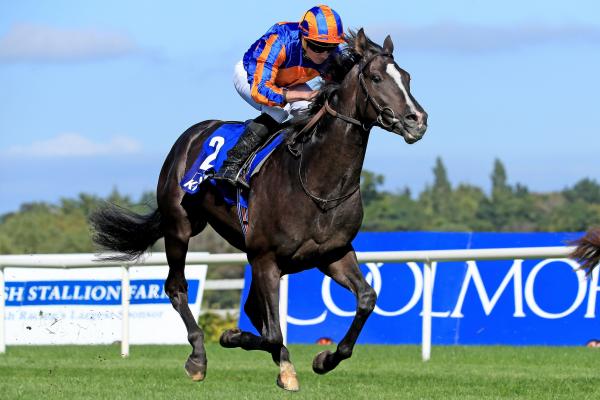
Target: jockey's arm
x,y
263,90
297,95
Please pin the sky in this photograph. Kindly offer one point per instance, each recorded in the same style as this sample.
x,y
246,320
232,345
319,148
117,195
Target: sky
x,y
94,93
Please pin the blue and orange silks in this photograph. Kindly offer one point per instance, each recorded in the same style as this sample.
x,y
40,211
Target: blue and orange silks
x,y
322,24
276,61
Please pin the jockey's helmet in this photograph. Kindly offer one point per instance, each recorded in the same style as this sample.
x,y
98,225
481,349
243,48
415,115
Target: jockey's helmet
x,y
323,25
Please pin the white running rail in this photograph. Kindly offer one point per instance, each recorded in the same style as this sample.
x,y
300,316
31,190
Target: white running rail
x,y
427,257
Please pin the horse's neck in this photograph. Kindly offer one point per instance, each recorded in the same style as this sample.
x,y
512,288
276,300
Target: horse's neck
x,y
335,155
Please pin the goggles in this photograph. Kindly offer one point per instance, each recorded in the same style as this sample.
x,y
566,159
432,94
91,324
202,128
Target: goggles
x,y
318,47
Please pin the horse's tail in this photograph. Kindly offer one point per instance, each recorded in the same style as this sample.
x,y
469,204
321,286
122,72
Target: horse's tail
x,y
126,232
587,250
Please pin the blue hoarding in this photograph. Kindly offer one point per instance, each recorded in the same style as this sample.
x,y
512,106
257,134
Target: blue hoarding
x,y
514,302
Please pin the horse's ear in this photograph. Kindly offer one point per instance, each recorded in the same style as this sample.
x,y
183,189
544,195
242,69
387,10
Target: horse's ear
x,y
388,46
360,44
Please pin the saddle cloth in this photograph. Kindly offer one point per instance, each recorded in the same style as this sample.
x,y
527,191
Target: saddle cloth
x,y
214,152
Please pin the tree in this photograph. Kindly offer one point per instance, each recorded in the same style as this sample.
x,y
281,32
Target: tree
x,y
467,201
499,185
369,184
441,191
586,190
393,212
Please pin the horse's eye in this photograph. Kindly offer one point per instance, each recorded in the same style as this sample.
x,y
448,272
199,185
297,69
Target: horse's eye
x,y
376,78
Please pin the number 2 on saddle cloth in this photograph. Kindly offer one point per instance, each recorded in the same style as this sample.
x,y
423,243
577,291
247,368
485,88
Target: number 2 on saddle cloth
x,y
213,153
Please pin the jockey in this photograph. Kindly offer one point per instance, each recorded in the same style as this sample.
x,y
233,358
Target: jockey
x,y
272,78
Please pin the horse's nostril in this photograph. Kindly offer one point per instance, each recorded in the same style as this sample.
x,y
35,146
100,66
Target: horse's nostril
x,y
411,119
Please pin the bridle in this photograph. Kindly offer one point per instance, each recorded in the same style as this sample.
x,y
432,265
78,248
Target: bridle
x,y
384,112
385,119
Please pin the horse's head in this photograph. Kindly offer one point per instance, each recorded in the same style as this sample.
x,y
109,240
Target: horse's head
x,y
384,97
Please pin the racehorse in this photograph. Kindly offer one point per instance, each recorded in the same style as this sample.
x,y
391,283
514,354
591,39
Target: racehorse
x,y
309,223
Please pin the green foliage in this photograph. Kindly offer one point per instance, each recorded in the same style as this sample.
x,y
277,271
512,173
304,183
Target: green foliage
x,y
44,228
506,208
63,228
369,184
586,190
214,325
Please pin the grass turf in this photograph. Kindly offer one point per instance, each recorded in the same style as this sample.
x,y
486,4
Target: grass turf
x,y
373,372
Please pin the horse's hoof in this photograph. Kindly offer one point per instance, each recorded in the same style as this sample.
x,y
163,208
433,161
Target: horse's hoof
x,y
320,361
287,379
195,370
230,338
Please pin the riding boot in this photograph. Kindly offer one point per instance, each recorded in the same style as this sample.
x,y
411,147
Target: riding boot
x,y
256,132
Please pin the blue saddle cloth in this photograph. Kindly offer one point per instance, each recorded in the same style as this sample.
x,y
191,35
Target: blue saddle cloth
x,y
211,157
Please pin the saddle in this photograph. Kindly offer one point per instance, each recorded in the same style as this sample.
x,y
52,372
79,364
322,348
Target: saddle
x,y
214,152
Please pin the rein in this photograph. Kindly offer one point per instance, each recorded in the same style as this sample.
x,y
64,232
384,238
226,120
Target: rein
x,y
321,202
384,113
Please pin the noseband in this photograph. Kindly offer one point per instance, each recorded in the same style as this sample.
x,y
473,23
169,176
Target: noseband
x,y
386,118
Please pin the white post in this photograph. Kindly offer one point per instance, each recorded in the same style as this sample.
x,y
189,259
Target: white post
x,y
2,312
283,306
427,299
125,290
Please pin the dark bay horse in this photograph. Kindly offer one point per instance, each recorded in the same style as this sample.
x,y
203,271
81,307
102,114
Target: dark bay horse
x,y
304,206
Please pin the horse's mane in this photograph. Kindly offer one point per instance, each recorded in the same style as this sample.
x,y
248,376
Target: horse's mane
x,y
336,71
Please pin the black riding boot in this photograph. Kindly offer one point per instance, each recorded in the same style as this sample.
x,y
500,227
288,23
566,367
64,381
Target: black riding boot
x,y
256,132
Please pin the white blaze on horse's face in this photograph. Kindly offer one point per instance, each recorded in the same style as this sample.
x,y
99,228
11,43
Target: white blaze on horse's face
x,y
397,77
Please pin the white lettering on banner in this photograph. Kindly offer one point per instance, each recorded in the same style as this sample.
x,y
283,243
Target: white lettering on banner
x,y
417,292
54,294
14,293
326,294
374,279
515,274
530,298
591,306
153,291
41,309
435,314
98,293
304,322
487,303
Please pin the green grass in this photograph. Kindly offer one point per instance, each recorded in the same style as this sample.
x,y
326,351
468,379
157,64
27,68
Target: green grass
x,y
373,372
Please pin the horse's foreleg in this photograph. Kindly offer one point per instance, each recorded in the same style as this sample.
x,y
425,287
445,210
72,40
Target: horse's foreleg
x,y
262,307
233,338
176,246
346,272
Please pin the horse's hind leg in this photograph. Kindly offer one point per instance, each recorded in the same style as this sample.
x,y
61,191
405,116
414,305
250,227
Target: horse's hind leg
x,y
262,307
178,230
346,272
